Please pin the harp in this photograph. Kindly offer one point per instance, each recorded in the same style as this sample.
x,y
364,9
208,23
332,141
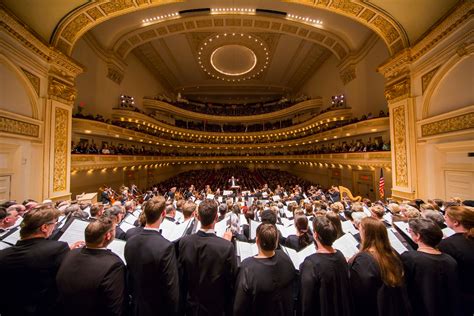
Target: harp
x,y
348,192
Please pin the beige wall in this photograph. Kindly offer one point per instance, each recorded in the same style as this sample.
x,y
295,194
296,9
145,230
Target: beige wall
x,y
364,94
99,93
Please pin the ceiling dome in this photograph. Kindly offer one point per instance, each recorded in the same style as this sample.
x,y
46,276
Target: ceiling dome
x,y
233,60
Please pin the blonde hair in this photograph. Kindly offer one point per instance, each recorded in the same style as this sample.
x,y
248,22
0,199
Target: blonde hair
x,y
465,216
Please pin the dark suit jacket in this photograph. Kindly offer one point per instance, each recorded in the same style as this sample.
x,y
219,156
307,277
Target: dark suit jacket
x,y
133,232
91,282
208,268
28,272
153,274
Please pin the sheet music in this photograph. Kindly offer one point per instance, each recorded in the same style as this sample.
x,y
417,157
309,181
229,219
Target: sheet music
x,y
210,196
179,217
220,228
88,210
388,218
246,250
448,232
227,192
347,245
117,246
167,227
219,199
276,198
243,220
348,227
395,242
288,214
4,245
286,231
13,237
137,213
130,219
298,257
75,232
367,211
253,228
126,226
286,221
404,228
18,222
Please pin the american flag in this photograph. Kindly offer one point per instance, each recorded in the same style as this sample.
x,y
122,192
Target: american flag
x,y
381,185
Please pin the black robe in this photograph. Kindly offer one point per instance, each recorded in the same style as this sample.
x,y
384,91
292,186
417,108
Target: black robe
x,y
28,270
207,265
462,250
264,286
432,283
292,241
371,296
325,287
153,274
91,282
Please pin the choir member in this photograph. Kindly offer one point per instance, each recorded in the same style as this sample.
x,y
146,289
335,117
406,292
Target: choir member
x,y
208,267
303,236
91,280
137,230
152,266
431,276
265,282
324,288
29,268
376,274
460,246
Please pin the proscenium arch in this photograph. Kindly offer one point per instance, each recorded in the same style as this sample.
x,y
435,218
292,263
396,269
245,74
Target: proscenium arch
x,y
127,42
25,82
444,70
81,20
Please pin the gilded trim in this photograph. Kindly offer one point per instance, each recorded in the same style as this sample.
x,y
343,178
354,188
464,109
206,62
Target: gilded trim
x,y
400,146
452,124
61,132
17,127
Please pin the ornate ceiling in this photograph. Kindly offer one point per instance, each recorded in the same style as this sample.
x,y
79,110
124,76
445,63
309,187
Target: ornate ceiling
x,y
265,50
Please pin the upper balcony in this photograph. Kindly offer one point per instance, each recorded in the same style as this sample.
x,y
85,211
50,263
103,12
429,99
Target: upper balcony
x,y
312,107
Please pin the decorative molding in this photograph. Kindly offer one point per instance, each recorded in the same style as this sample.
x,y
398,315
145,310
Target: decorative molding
x,y
61,133
61,91
348,74
461,14
114,73
400,146
17,127
80,21
396,66
34,80
398,90
452,124
426,79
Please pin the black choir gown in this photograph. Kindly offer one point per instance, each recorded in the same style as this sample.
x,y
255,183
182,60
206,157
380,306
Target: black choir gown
x,y
462,250
292,241
264,286
28,272
370,295
432,283
325,288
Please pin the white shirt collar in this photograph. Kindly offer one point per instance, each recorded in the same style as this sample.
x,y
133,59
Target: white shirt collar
x,y
155,229
208,231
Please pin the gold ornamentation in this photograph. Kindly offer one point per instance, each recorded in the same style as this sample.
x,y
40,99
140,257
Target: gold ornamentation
x,y
116,5
34,80
398,90
11,126
400,146
61,132
387,29
95,13
452,124
75,27
348,74
347,6
147,35
61,91
317,36
115,74
341,52
173,28
329,41
367,15
289,29
76,158
426,79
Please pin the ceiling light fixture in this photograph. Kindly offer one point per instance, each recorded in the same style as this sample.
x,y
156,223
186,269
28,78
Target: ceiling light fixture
x,y
160,18
306,20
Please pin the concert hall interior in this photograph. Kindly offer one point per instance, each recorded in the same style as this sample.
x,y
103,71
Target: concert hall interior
x,y
289,128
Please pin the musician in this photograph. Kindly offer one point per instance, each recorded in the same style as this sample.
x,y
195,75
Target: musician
x,y
29,268
233,182
134,190
170,194
189,193
333,194
153,272
208,266
91,280
105,195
